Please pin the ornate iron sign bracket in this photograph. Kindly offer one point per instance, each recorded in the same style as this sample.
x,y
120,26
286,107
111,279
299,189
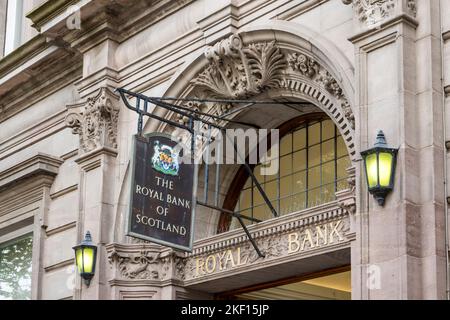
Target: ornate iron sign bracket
x,y
141,107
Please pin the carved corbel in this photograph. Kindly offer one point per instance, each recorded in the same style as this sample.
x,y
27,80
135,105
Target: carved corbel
x,y
95,121
346,198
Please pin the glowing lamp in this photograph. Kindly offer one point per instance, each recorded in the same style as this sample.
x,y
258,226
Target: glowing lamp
x,y
379,164
85,258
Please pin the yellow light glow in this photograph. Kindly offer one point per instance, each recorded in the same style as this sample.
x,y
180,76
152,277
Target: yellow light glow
x,y
372,170
79,255
88,259
385,160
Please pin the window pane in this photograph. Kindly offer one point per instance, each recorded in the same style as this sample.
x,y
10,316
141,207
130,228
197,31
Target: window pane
x,y
341,150
314,197
271,189
300,139
327,129
286,144
314,134
328,150
314,177
328,175
286,165
286,205
313,163
299,181
299,202
246,199
262,212
285,186
342,165
299,161
257,198
314,156
328,193
15,270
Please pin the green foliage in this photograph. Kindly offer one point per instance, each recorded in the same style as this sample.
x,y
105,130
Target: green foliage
x,y
15,270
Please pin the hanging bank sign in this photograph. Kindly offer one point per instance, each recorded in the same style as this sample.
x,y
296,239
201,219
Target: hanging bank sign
x,y
162,193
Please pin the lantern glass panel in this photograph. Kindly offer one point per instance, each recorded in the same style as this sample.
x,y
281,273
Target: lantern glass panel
x,y
88,258
385,160
372,170
79,256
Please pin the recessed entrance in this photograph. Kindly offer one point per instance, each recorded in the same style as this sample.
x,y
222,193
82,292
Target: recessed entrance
x,y
328,285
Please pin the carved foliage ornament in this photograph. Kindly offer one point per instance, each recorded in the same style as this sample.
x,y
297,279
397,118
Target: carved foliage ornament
x,y
373,12
95,121
145,264
240,71
236,71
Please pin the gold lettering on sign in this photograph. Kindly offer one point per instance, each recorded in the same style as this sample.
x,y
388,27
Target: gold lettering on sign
x,y
308,238
324,235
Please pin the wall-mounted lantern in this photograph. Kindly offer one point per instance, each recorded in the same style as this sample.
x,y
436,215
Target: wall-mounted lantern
x,y
379,164
85,258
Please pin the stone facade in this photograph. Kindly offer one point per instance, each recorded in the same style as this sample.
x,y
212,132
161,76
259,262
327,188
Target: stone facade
x,y
66,138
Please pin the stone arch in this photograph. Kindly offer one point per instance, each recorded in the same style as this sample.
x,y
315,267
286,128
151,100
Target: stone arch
x,y
300,63
271,62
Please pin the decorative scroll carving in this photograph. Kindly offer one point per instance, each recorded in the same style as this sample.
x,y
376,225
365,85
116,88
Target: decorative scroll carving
x,y
145,262
236,71
95,121
141,265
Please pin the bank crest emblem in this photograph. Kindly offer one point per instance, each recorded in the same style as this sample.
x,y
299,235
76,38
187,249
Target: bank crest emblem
x,y
165,160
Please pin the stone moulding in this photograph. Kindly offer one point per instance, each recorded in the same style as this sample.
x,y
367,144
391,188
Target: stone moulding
x,y
38,164
95,121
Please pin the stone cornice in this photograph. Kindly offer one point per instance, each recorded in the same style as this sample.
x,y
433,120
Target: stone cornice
x,y
48,10
144,262
402,18
264,229
23,53
40,163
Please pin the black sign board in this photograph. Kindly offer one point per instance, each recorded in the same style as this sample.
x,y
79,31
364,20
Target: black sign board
x,y
162,207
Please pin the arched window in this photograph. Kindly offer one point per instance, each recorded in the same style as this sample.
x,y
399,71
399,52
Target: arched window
x,y
313,163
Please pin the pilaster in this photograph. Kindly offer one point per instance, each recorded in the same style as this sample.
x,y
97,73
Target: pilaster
x,y
400,251
95,121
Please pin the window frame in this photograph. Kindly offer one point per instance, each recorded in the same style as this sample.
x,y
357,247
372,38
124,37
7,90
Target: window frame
x,y
240,178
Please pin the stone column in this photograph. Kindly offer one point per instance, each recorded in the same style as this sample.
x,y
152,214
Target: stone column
x,y
95,121
399,253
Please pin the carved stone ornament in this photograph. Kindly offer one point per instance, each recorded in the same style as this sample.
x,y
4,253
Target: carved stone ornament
x,y
95,121
237,70
141,265
144,262
373,12
346,198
